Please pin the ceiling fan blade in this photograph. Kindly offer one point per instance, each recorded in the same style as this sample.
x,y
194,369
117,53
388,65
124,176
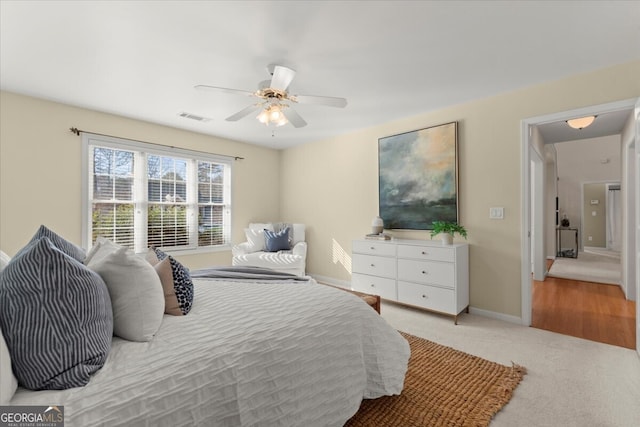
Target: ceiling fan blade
x,y
329,101
243,113
223,90
282,77
294,118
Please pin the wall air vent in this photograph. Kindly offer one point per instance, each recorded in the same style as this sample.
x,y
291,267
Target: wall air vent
x,y
194,117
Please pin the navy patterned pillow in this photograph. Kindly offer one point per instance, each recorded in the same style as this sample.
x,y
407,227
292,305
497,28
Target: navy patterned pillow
x,y
56,317
182,283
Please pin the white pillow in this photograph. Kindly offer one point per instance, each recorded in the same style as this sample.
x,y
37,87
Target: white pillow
x,y
4,260
255,240
136,293
298,233
261,226
8,382
101,248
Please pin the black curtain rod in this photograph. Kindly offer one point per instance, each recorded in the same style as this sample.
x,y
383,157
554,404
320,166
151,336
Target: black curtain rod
x,y
78,131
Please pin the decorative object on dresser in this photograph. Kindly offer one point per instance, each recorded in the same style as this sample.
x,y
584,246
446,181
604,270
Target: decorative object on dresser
x,y
414,272
380,236
447,230
377,225
418,177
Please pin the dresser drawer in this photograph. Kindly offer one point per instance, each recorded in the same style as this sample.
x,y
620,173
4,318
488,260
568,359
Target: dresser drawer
x,y
437,273
430,297
386,288
430,253
374,265
372,247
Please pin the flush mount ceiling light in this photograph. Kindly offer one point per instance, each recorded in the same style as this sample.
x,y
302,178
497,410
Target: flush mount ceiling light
x,y
582,122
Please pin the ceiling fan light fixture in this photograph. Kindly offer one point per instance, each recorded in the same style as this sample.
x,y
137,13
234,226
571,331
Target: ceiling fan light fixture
x,y
272,114
275,114
263,117
581,122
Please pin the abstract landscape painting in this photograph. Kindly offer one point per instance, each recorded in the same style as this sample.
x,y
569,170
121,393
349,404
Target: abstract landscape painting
x,y
418,177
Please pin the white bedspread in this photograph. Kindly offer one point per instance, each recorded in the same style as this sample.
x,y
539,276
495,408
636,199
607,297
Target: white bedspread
x,y
268,354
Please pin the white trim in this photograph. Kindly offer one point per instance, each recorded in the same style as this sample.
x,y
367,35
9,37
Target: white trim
x,y
332,281
477,311
141,151
525,231
525,174
84,192
495,315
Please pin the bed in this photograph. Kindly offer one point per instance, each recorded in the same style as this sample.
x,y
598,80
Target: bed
x,y
259,353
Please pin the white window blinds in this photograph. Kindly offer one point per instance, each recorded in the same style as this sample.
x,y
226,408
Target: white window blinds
x,y
139,195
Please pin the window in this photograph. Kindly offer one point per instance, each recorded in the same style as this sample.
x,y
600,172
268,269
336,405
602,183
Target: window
x,y
140,195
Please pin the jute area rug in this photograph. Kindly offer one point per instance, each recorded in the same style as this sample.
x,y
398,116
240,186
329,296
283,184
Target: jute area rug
x,y
443,387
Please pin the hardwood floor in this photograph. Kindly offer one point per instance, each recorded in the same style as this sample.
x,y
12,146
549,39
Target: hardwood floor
x,y
594,311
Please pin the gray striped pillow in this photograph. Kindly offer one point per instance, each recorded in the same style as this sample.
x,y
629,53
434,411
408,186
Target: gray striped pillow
x,y
56,317
60,242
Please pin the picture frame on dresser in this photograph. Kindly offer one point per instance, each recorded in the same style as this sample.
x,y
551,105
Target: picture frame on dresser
x,y
418,177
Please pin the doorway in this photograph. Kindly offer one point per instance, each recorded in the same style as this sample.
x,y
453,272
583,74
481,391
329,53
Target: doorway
x,y
531,138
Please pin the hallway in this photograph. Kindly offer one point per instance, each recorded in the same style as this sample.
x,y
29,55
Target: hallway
x,y
593,311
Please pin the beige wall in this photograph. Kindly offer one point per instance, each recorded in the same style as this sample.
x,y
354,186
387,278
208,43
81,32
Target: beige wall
x,y
594,226
330,185
40,168
581,162
333,185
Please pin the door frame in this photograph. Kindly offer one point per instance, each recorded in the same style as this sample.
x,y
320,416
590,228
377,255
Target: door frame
x,y
527,127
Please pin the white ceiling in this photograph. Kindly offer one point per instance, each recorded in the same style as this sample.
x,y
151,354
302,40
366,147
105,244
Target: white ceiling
x,y
605,124
390,59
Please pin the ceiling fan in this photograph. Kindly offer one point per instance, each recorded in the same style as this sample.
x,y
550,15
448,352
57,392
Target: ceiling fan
x,y
274,100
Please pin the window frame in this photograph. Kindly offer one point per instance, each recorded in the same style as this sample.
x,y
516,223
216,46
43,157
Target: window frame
x,y
141,200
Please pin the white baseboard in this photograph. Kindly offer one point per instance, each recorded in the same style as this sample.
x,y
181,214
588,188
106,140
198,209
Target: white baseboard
x,y
480,312
332,281
495,315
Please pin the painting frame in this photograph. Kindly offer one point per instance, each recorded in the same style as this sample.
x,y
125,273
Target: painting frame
x,y
418,177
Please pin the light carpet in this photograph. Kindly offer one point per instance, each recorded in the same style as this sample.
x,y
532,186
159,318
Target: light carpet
x,y
588,267
443,387
570,382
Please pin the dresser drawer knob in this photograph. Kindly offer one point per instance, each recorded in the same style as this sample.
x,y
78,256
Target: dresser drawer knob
x,y
372,265
373,248
425,272
424,296
373,286
425,253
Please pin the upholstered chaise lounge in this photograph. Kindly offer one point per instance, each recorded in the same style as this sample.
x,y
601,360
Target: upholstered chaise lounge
x,y
256,251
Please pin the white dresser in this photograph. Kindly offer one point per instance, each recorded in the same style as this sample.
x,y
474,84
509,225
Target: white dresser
x,y
420,273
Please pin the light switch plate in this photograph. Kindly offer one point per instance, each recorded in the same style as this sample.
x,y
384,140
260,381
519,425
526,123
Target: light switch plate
x,y
496,213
